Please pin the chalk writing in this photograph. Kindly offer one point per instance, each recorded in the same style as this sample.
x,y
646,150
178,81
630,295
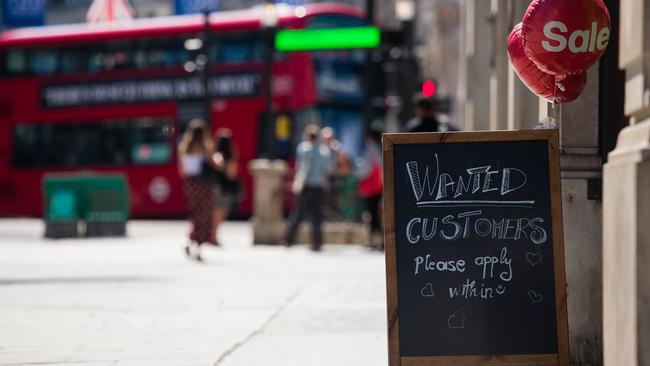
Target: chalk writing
x,y
470,289
477,180
429,264
472,224
489,262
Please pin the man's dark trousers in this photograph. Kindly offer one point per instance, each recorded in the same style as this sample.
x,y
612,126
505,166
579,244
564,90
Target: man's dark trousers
x,y
310,202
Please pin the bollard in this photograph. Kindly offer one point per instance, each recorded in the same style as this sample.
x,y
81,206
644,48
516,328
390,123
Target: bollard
x,y
268,222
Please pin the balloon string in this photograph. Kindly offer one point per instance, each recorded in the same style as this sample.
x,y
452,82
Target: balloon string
x,y
554,110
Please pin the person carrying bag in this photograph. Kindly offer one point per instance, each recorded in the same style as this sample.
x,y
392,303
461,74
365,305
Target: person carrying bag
x,y
371,182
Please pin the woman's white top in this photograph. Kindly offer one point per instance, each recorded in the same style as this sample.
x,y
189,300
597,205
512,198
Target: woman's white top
x,y
192,164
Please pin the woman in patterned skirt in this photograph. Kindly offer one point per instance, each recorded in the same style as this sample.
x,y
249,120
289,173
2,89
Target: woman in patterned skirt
x,y
195,148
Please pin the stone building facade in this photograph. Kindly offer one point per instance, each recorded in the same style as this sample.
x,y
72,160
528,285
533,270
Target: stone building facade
x,y
626,206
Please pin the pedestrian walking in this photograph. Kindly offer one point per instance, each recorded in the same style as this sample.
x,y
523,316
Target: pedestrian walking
x,y
313,162
370,172
193,153
226,189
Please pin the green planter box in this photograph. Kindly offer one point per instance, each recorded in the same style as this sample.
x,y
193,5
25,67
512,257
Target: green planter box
x,y
99,201
62,207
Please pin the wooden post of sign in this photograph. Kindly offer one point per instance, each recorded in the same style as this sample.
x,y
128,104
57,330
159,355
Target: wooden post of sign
x,y
474,249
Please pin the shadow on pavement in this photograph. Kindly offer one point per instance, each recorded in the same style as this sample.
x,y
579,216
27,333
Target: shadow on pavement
x,y
75,280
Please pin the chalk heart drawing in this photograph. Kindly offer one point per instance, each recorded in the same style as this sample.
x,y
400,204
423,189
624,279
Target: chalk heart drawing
x,y
535,297
427,290
533,258
456,320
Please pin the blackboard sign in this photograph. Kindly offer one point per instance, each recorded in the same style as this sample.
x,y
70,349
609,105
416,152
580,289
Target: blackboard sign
x,y
474,249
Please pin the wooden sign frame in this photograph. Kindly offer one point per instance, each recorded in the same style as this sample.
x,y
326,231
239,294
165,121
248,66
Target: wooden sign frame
x,y
551,136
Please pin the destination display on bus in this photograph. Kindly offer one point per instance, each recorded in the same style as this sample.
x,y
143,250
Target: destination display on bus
x,y
149,90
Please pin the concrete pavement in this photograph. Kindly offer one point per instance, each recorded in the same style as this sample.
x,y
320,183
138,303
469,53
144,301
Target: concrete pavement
x,y
140,301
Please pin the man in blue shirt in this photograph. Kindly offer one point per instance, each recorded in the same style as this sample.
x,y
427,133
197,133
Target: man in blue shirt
x,y
313,167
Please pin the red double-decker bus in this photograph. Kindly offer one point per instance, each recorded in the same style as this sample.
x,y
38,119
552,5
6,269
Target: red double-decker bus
x,y
115,97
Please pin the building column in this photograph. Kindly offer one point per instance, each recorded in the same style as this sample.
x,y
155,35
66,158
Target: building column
x,y
626,249
581,165
626,213
476,56
499,65
523,105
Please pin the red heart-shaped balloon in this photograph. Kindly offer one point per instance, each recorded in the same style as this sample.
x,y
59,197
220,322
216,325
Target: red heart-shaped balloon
x,y
544,85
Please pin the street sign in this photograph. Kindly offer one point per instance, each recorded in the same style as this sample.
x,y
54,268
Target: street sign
x,y
474,249
327,38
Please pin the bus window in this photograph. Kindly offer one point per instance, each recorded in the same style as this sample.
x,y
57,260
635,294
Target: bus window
x,y
113,56
73,60
159,53
334,21
141,141
237,48
151,141
15,62
69,145
25,138
43,62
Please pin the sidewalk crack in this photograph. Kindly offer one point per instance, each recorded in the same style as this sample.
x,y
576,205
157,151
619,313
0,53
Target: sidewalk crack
x,y
261,329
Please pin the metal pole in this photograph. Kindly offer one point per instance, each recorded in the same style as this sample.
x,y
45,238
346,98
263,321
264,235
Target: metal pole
x,y
267,130
368,72
268,72
205,72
